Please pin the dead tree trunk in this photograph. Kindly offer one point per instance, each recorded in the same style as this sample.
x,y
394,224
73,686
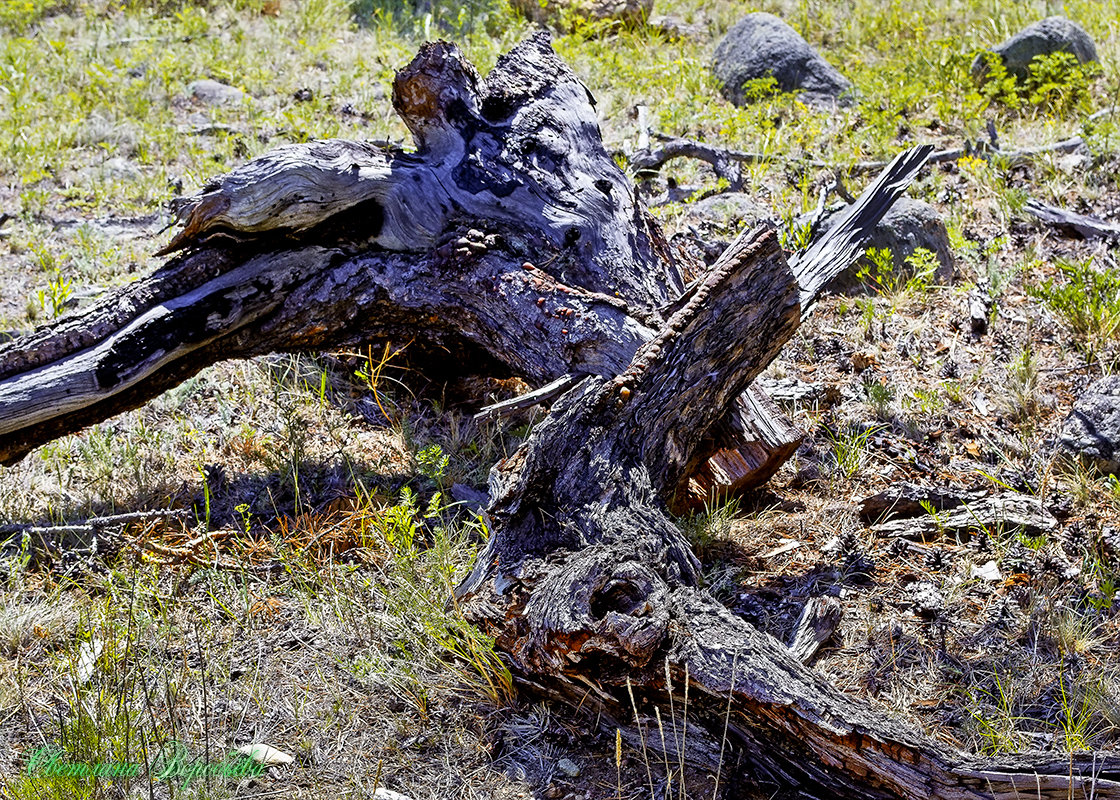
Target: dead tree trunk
x,y
511,238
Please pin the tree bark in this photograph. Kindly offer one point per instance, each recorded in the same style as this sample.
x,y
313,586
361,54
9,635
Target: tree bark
x,y
511,240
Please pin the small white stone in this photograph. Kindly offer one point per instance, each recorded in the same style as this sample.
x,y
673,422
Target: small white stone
x,y
382,793
988,571
265,754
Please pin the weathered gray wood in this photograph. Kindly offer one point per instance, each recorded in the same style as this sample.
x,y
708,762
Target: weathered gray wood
x,y
819,620
1083,226
911,500
523,249
589,588
724,161
755,439
510,226
545,394
1006,513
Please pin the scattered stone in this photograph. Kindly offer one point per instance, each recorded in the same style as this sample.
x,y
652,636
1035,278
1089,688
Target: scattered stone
x,y
1091,432
760,46
113,226
265,754
708,226
675,27
473,500
215,93
121,169
1051,35
908,226
568,768
790,390
1074,163
303,95
988,571
97,129
1009,513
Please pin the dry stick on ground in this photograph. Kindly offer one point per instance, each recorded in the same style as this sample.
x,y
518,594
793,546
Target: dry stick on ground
x,y
510,241
1081,225
725,162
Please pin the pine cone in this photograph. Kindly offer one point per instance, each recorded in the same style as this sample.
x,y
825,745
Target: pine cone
x,y
937,560
1075,539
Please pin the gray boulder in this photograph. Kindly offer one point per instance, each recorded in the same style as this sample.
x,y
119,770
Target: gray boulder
x,y
707,226
1091,432
725,214
1051,35
909,225
759,46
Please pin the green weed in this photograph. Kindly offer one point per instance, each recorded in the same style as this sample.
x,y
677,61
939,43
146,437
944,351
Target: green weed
x,y
849,447
1058,84
995,721
1020,401
1086,299
706,529
881,276
880,396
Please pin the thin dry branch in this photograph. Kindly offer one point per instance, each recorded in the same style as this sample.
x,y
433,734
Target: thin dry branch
x,y
724,160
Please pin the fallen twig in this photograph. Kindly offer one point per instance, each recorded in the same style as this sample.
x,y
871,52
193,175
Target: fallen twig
x,y
91,525
724,161
547,392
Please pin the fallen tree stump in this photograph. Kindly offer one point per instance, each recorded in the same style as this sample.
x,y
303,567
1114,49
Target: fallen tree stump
x,y
509,241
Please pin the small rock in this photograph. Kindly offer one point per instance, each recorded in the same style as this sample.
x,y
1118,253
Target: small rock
x,y
265,754
675,27
303,95
1074,163
1091,432
988,571
760,46
472,499
381,793
790,390
568,768
726,213
215,93
121,169
1051,35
